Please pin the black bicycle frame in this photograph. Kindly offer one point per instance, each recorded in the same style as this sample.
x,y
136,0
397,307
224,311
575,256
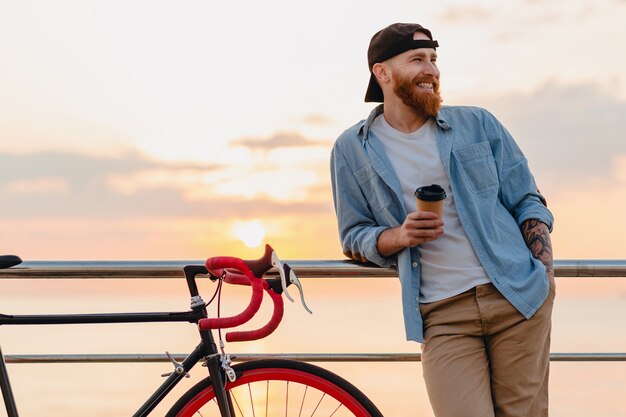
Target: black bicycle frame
x,y
206,349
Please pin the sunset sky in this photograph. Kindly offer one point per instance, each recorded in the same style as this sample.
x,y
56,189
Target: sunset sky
x,y
151,129
181,130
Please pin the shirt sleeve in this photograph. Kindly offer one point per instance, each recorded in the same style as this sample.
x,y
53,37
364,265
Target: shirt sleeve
x,y
358,229
518,190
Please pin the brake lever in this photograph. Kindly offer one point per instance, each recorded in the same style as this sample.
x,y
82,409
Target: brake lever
x,y
278,264
295,281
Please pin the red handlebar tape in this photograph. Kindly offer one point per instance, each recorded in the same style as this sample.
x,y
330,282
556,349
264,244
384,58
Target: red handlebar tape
x,y
219,265
266,330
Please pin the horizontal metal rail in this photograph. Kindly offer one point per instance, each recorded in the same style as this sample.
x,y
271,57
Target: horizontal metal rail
x,y
306,357
304,268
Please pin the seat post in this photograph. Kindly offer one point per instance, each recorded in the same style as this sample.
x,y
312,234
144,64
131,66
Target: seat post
x,y
7,393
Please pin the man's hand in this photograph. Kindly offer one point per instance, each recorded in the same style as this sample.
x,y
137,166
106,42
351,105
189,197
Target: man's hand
x,y
537,237
418,227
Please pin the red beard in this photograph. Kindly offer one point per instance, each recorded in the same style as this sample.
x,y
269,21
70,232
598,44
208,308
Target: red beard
x,y
422,102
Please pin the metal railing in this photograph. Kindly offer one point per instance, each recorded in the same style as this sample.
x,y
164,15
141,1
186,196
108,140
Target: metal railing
x,y
303,268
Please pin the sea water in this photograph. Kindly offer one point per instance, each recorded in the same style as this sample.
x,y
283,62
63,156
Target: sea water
x,y
350,316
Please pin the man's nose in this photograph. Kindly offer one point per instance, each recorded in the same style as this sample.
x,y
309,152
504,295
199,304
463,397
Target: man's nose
x,y
431,69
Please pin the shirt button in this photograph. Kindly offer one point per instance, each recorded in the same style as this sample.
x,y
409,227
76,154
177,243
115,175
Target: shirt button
x,y
414,264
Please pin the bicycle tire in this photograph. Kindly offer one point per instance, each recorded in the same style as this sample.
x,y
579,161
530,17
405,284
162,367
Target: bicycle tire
x,y
312,388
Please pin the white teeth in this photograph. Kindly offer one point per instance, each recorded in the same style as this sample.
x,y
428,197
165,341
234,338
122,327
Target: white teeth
x,y
425,85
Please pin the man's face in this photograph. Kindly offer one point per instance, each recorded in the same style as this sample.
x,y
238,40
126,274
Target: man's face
x,y
416,79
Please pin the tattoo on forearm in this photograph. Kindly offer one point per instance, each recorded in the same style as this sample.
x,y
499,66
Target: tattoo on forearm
x,y
537,237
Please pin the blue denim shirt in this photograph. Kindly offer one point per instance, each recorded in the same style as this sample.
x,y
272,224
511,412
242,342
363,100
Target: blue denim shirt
x,y
494,193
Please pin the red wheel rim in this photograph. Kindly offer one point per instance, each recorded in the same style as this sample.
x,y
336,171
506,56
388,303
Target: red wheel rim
x,y
280,374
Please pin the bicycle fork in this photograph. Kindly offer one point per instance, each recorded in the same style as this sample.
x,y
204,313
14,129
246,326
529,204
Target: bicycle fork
x,y
223,398
7,393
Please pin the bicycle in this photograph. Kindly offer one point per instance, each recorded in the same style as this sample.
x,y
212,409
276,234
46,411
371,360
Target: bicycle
x,y
276,386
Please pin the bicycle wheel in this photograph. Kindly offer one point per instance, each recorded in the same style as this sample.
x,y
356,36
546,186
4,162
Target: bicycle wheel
x,y
276,387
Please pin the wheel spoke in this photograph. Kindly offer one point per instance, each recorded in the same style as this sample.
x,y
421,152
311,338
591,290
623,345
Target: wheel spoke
x,y
318,404
232,394
286,399
251,401
338,407
303,398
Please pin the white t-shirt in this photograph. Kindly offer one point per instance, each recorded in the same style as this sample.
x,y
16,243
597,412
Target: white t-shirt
x,y
449,265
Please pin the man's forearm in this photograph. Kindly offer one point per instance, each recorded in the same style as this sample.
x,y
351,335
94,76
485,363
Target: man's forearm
x,y
537,237
389,242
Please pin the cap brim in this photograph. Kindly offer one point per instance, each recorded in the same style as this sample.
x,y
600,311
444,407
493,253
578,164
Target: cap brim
x,y
374,93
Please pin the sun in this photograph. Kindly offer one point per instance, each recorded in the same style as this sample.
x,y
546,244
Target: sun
x,y
251,232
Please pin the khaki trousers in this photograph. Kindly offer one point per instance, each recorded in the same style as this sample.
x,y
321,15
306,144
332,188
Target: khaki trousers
x,y
482,358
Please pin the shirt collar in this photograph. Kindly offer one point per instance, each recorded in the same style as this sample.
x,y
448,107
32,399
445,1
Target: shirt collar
x,y
441,121
378,110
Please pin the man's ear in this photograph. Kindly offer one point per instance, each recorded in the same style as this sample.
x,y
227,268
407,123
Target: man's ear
x,y
382,72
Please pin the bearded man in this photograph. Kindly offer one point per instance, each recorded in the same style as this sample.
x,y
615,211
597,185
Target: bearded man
x,y
478,283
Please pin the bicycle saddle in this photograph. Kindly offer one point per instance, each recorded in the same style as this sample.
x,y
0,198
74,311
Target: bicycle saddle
x,y
7,261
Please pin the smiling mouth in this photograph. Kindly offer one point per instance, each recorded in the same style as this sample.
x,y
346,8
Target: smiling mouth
x,y
430,87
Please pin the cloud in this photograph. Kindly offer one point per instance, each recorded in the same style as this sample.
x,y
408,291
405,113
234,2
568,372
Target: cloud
x,y
79,168
317,119
59,205
466,14
568,132
279,140
156,178
70,185
37,186
285,185
619,168
536,20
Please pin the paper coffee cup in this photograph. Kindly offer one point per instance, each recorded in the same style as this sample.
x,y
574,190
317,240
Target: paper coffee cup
x,y
430,198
